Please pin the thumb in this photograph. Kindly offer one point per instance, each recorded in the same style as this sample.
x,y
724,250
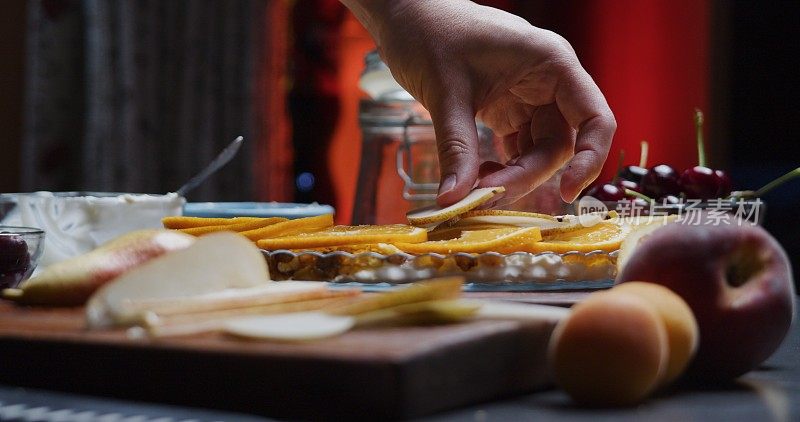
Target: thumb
x,y
457,144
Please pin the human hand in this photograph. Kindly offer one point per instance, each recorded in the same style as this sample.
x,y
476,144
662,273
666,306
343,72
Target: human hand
x,y
463,60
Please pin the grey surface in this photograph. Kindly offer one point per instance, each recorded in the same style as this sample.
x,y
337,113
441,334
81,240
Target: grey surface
x,y
771,393
24,404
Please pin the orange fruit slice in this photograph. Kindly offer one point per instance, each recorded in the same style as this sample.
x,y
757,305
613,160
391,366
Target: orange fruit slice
x,y
290,227
604,236
505,240
347,235
183,222
379,248
235,227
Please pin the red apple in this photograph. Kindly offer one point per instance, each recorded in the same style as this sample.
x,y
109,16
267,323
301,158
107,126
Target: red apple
x,y
737,281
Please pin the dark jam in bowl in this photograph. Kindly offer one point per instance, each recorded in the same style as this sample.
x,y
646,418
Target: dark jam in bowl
x,y
15,261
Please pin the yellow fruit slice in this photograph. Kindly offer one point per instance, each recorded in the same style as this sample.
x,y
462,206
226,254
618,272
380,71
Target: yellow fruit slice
x,y
182,222
638,234
505,240
421,313
434,214
507,213
380,248
290,227
347,235
236,227
549,225
604,236
447,232
422,291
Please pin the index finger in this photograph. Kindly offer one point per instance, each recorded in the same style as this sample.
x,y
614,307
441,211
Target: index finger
x,y
585,108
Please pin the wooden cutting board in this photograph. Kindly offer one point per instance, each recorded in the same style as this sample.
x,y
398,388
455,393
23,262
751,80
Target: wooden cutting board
x,y
378,373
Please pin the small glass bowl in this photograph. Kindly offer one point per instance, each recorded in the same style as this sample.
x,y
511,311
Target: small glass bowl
x,y
20,250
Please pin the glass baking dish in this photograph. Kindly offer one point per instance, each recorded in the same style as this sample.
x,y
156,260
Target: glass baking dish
x,y
491,271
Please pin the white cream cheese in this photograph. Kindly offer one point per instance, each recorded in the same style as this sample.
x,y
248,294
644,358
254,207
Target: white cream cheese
x,y
76,224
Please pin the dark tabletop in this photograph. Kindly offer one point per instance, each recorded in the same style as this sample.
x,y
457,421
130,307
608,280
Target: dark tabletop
x,y
771,392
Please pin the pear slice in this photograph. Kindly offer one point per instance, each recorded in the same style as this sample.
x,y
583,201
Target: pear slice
x,y
547,224
205,322
214,263
72,282
433,215
508,213
420,313
299,326
422,291
497,309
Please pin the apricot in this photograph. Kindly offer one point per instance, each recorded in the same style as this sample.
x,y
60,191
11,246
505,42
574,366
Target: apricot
x,y
611,351
682,331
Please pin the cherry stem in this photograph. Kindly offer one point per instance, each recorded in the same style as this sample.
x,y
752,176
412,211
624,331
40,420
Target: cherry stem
x,y
777,182
701,150
620,160
643,154
639,195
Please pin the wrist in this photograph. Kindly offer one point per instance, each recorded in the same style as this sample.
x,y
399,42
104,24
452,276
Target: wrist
x,y
377,15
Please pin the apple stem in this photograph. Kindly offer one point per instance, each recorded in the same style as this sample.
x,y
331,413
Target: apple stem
x,y
777,182
639,195
620,160
643,154
698,124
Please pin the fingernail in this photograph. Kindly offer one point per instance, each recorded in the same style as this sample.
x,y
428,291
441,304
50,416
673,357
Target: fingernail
x,y
448,184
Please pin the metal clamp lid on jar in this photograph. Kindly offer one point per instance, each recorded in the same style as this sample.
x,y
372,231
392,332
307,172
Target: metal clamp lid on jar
x,y
391,106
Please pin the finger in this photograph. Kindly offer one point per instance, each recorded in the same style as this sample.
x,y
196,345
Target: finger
x,y
457,143
510,148
584,108
545,147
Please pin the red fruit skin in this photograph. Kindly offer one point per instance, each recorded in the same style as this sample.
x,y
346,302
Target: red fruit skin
x,y
627,184
661,180
740,326
699,182
607,193
633,173
725,184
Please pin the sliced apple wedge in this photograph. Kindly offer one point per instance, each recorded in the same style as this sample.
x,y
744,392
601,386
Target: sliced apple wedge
x,y
433,215
213,264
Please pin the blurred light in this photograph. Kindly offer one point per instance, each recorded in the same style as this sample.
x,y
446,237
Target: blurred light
x,y
305,181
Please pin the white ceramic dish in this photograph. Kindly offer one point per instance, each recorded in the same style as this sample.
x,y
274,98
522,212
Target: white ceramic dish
x,y
255,209
77,222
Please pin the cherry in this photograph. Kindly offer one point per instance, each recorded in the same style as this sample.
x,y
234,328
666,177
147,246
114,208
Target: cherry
x,y
670,200
14,259
700,182
627,184
633,173
660,181
607,192
725,185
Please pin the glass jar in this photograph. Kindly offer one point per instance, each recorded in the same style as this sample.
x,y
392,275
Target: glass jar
x,y
399,168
